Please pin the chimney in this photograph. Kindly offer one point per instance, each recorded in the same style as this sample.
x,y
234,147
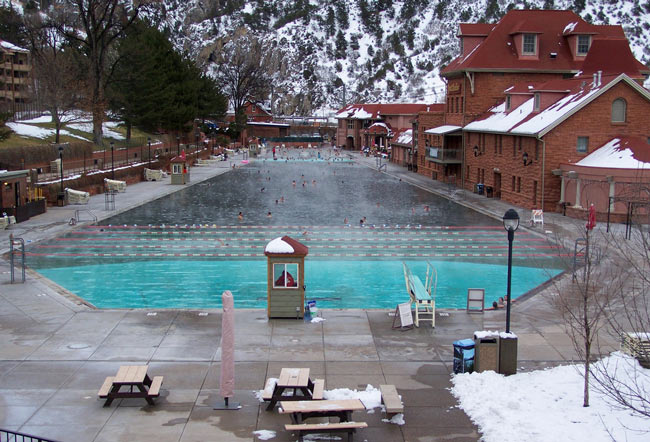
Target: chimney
x,y
600,77
595,80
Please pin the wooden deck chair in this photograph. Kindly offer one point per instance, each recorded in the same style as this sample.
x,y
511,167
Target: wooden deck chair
x,y
537,217
421,294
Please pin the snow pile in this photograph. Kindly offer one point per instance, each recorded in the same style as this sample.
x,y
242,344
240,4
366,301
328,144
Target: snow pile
x,y
484,334
317,319
278,246
398,419
264,434
371,396
547,405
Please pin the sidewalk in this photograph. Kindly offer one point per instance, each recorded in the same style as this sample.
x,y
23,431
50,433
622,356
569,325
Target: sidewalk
x,y
55,353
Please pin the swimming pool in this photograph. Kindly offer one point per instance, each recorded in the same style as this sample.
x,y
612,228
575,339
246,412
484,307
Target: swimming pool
x,y
182,251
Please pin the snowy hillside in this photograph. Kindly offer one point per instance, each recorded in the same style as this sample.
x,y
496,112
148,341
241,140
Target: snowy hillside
x,y
328,52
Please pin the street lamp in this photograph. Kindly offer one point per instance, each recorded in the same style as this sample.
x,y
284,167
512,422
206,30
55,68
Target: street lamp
x,y
149,143
197,145
61,167
511,224
112,162
178,146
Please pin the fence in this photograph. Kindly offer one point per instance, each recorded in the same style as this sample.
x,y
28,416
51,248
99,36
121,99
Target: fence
x,y
11,436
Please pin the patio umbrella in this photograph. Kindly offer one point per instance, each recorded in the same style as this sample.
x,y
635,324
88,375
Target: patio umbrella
x,y
591,220
227,378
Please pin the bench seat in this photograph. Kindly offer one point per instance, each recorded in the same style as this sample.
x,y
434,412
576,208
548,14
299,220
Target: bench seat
x,y
319,386
391,400
269,388
154,389
327,427
106,387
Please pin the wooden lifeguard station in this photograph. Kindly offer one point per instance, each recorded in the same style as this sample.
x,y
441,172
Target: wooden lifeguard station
x,y
285,278
180,169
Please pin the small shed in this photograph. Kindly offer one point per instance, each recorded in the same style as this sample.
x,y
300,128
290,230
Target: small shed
x,y
180,170
285,278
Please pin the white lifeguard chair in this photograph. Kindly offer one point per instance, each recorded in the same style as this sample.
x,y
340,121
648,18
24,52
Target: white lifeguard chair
x,y
423,296
537,217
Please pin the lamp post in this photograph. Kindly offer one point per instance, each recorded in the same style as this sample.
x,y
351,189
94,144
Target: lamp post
x,y
61,166
511,224
149,155
112,161
197,146
178,146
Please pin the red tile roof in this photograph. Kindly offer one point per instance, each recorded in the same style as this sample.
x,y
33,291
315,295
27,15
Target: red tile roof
x,y
375,111
599,58
475,29
498,53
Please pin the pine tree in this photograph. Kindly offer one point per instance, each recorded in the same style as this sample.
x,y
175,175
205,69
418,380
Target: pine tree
x,y
341,45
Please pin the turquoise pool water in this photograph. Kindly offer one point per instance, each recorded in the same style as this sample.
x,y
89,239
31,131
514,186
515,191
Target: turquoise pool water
x,y
333,284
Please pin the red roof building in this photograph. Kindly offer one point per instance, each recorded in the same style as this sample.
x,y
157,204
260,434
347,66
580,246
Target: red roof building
x,y
374,125
537,90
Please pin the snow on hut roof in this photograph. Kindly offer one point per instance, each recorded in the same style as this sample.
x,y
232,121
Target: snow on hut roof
x,y
285,245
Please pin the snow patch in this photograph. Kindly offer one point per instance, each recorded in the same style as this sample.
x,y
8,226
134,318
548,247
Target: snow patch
x,y
264,434
278,246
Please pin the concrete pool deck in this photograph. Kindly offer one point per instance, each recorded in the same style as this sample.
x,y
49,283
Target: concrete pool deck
x,y
55,351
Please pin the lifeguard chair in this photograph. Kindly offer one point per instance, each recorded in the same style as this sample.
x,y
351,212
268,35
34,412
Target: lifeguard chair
x,y
180,170
285,276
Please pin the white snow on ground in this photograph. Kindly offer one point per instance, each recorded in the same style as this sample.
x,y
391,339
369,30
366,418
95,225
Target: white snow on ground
x,y
264,434
546,405
88,127
27,130
317,319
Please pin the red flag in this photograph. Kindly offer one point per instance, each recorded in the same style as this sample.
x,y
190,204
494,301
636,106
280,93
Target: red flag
x,y
591,220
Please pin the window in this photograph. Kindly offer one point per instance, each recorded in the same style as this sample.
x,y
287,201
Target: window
x,y
177,168
518,184
583,144
537,101
530,44
285,275
508,102
619,107
350,124
583,44
513,183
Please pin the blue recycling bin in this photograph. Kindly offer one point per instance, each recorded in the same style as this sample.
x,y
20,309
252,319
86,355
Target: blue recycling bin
x,y
479,188
464,356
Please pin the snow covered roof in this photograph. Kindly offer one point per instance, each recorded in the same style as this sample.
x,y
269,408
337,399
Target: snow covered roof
x,y
620,153
441,130
403,136
264,123
524,120
497,52
285,245
12,47
379,128
362,111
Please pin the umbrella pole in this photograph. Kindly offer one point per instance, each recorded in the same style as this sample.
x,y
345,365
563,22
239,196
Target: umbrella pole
x,y
226,405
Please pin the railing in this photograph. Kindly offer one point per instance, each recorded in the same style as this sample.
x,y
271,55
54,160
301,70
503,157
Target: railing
x,y
11,436
77,215
443,154
20,243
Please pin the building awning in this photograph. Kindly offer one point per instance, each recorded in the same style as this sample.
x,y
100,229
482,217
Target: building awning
x,y
442,130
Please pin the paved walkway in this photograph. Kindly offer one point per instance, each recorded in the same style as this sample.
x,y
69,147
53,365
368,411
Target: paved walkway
x,y
55,352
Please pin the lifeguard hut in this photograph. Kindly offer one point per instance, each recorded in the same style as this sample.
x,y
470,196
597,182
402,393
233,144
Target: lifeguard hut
x,y
286,278
180,169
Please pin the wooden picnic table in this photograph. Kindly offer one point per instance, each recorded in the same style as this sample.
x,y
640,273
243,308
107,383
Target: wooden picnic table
x,y
131,376
301,410
292,380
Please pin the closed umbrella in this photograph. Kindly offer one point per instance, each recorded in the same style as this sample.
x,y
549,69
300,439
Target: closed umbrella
x,y
227,378
591,220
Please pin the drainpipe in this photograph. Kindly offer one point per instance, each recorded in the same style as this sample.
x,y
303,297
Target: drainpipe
x,y
543,167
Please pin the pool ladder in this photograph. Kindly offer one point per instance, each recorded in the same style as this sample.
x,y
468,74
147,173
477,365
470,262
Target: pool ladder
x,y
16,247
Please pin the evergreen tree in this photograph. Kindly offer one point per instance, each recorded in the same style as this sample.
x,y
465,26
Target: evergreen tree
x,y
341,45
330,23
12,28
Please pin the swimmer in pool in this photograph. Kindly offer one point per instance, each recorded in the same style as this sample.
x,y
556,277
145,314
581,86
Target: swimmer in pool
x,y
240,217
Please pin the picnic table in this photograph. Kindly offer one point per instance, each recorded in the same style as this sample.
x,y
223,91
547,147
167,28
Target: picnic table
x,y
131,376
301,410
295,381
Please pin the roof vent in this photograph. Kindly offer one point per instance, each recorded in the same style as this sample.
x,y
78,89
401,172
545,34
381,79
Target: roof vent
x,y
553,54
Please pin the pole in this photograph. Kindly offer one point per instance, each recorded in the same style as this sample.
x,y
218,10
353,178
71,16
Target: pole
x,y
149,155
112,163
511,237
178,146
61,166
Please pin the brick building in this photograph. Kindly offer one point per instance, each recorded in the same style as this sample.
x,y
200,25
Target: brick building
x,y
374,125
536,90
15,75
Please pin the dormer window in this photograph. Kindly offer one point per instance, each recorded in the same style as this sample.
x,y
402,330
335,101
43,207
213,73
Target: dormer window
x,y
584,41
529,44
537,101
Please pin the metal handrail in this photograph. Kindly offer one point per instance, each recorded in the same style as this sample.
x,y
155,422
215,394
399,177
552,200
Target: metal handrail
x,y
16,242
77,214
7,435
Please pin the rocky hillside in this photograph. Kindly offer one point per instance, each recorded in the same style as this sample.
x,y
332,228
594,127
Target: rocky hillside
x,y
325,53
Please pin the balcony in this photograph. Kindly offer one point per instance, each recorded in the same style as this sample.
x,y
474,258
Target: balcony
x,y
444,155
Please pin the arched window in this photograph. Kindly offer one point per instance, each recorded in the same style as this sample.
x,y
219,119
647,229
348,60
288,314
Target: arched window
x,y
619,109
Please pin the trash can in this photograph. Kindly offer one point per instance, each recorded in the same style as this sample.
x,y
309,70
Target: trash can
x,y
486,351
507,353
489,191
464,356
479,188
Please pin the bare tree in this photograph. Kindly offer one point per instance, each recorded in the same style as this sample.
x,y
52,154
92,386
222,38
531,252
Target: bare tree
x,y
239,67
95,26
58,85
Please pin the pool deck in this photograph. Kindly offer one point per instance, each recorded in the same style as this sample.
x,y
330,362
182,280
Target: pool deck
x,y
56,351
